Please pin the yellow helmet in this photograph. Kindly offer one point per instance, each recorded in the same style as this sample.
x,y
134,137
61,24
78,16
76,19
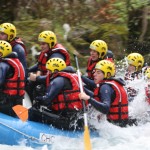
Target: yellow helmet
x,y
100,46
5,48
48,37
147,73
107,67
57,64
136,60
8,29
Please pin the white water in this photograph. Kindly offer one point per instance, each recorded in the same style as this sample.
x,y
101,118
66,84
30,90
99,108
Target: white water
x,y
112,137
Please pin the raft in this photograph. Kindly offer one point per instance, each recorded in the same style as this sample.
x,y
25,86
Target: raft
x,y
14,131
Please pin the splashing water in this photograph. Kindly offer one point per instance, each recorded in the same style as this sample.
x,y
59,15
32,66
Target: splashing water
x,y
112,137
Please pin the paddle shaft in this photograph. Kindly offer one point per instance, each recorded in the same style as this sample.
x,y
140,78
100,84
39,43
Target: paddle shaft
x,y
86,130
81,89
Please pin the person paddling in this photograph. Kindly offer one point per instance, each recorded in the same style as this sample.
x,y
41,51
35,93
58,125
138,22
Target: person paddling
x,y
109,97
12,79
8,33
147,88
60,98
134,72
50,48
98,51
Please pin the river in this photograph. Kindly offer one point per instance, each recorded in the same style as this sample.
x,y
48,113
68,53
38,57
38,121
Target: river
x,y
112,137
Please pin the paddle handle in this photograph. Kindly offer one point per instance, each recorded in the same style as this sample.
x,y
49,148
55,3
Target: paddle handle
x,y
81,89
87,142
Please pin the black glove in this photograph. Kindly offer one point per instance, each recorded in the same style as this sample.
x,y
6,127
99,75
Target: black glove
x,y
37,102
38,98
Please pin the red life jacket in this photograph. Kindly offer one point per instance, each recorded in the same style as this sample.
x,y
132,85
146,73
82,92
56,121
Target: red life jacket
x,y
44,56
68,99
147,92
61,49
90,67
119,107
110,59
18,41
15,85
132,76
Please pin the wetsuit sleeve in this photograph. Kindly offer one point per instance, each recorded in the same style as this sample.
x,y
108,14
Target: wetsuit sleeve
x,y
109,54
88,81
53,90
88,92
21,55
41,79
33,68
57,55
3,71
105,95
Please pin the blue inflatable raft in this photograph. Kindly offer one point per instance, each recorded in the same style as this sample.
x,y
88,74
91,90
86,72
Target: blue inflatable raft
x,y
14,132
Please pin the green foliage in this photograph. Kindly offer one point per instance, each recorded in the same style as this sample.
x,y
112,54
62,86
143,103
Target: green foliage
x,y
114,29
113,24
6,13
120,11
136,4
122,8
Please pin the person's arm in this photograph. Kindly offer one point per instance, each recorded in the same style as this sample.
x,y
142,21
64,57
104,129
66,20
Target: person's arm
x,y
88,81
33,68
53,90
57,55
41,79
3,71
105,95
21,55
88,92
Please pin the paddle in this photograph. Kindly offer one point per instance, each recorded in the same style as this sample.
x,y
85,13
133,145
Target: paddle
x,y
87,142
21,112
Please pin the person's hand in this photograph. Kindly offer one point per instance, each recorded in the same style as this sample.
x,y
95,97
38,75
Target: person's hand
x,y
37,102
79,73
148,91
38,73
38,98
32,77
132,92
84,96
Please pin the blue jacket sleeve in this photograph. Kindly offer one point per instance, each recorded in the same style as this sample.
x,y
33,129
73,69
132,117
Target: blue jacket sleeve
x,y
4,67
21,56
53,90
33,68
41,79
88,81
105,95
88,92
57,55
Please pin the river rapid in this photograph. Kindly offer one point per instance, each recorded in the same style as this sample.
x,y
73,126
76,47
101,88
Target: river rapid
x,y
112,137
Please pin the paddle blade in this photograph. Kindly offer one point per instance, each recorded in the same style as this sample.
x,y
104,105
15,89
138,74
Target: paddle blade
x,y
87,143
21,112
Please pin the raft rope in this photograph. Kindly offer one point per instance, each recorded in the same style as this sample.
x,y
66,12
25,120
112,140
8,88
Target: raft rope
x,y
29,137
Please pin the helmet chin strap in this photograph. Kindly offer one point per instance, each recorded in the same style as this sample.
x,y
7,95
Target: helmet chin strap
x,y
1,56
10,38
108,74
100,57
0,59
